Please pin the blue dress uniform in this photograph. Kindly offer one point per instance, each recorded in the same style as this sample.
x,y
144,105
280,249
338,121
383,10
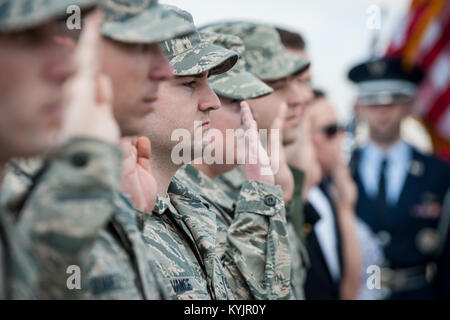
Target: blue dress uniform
x,y
401,192
408,229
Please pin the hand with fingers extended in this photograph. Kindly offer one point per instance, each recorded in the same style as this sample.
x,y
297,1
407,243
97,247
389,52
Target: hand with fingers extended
x,y
88,94
256,163
283,175
302,155
137,179
345,189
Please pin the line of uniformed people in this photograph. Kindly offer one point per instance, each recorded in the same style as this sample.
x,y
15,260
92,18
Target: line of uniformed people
x,y
91,195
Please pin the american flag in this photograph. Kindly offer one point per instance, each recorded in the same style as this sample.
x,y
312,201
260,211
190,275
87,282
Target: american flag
x,y
423,38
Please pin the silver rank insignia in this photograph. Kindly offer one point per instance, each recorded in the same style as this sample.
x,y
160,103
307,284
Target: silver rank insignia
x,y
377,68
416,168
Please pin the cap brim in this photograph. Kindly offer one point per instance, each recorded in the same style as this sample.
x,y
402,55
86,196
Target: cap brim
x,y
280,66
383,99
43,14
204,57
241,86
153,25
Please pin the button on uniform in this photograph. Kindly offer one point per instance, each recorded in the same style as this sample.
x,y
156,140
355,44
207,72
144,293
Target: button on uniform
x,y
79,159
270,200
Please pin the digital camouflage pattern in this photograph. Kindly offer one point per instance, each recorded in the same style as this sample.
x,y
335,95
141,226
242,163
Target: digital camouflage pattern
x,y
264,53
120,265
251,236
71,215
49,239
182,232
141,21
21,274
236,83
297,203
22,14
191,55
232,183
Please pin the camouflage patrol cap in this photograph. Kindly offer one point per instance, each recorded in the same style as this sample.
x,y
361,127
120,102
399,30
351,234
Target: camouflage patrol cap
x,y
236,83
192,55
264,53
22,14
141,21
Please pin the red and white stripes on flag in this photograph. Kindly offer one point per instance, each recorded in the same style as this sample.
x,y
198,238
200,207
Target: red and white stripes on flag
x,y
424,39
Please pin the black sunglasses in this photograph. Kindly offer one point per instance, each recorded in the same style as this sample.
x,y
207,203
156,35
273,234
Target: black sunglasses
x,y
332,129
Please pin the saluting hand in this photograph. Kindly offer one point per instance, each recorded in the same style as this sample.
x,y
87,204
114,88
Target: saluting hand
x,y
256,163
88,94
283,175
345,189
137,179
302,156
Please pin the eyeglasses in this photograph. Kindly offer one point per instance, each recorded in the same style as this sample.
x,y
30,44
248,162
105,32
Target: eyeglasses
x,y
332,130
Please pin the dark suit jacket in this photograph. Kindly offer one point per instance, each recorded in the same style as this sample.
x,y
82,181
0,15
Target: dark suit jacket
x,y
320,285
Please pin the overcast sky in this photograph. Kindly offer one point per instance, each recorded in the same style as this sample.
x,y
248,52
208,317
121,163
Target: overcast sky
x,y
335,30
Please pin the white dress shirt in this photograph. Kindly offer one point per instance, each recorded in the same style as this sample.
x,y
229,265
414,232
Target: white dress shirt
x,y
326,231
398,161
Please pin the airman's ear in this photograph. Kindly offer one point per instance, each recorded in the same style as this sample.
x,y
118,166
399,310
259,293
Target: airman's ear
x,y
407,107
358,109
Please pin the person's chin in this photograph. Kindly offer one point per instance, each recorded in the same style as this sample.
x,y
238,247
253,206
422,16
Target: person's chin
x,y
134,128
40,145
289,139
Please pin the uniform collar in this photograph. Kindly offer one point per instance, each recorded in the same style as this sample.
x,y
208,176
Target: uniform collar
x,y
162,205
234,178
204,186
398,153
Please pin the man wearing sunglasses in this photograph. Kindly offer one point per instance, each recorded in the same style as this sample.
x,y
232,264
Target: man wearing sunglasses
x,y
332,243
401,190
281,110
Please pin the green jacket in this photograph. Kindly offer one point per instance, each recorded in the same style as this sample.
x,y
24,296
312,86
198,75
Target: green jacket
x,y
232,183
72,215
251,237
181,231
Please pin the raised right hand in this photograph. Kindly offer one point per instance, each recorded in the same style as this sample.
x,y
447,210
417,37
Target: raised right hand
x,y
88,94
256,163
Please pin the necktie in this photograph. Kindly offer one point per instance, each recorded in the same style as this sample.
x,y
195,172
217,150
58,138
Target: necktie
x,y
381,199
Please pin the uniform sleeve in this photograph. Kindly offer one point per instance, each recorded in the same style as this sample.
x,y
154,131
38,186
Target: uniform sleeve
x,y
72,202
295,210
257,258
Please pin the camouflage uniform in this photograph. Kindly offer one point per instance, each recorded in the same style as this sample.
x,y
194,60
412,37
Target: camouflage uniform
x,y
296,207
237,83
192,55
81,178
251,235
23,14
264,53
181,231
182,228
120,265
73,214
21,274
266,57
232,182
